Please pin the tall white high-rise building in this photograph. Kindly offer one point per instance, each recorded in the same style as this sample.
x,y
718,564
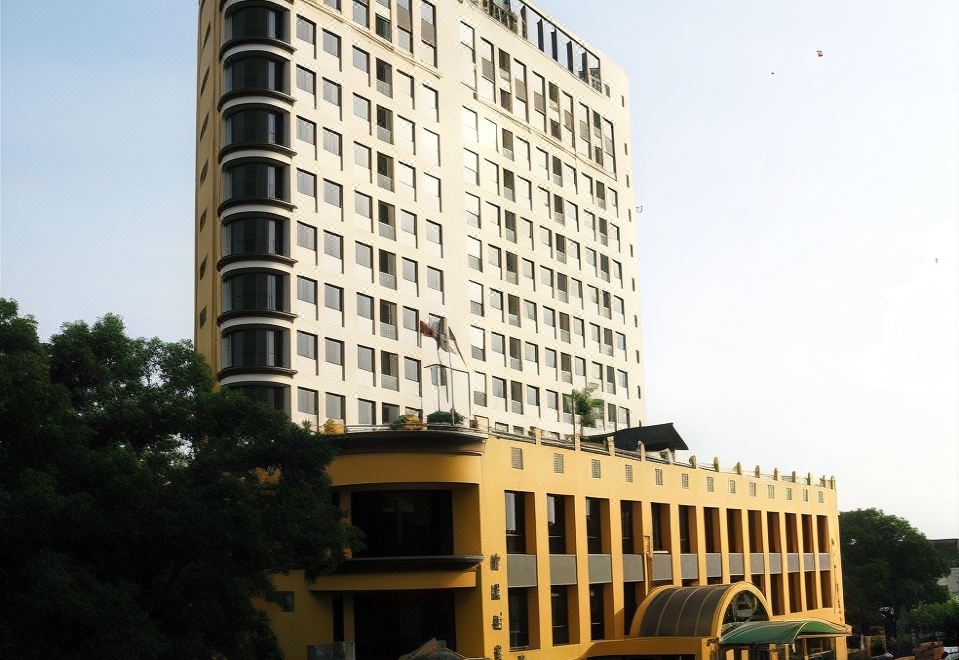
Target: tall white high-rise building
x,y
367,169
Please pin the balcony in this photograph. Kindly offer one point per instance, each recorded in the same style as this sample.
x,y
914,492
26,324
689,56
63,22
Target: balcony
x,y
500,13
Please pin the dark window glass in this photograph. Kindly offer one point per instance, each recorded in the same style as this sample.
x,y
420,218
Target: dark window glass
x,y
629,603
556,523
594,526
255,236
264,22
255,180
684,543
255,72
254,348
515,523
404,523
255,291
558,597
597,614
272,396
518,619
626,515
256,125
657,527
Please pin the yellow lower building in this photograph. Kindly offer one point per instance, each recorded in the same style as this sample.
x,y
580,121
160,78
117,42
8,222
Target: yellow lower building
x,y
507,546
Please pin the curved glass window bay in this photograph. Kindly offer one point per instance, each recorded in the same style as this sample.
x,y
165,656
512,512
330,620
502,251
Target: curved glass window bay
x,y
273,396
255,179
255,236
255,347
255,72
256,126
256,291
253,22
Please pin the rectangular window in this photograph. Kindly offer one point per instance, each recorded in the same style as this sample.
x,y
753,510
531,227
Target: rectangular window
x,y
331,92
556,523
306,236
305,80
306,290
333,297
559,614
331,44
515,522
306,345
361,60
305,30
335,406
594,526
332,142
305,183
305,130
306,401
518,605
333,351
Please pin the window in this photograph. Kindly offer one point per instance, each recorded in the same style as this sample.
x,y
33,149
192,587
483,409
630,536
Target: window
x,y
333,297
331,44
518,606
556,523
333,193
515,523
335,406
597,614
306,290
332,142
361,108
305,30
383,27
305,183
333,351
366,412
305,80
331,92
559,614
333,245
306,401
365,359
361,12
361,60
305,130
306,345
594,526
434,278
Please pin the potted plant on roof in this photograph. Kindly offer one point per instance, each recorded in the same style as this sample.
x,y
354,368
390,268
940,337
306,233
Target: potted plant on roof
x,y
584,407
333,427
444,417
408,422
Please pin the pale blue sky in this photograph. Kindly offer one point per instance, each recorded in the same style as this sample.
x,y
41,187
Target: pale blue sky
x,y
795,313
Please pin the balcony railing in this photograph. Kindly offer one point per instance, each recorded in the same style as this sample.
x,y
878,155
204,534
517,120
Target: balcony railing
x,y
501,14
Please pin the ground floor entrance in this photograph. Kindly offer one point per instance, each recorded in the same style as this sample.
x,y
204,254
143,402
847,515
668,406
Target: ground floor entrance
x,y
392,623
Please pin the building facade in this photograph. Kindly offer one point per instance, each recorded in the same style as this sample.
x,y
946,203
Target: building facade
x,y
506,546
368,167
406,207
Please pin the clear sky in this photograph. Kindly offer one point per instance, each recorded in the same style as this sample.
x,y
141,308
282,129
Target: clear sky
x,y
797,243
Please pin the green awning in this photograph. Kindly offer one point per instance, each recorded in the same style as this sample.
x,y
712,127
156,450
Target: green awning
x,y
779,632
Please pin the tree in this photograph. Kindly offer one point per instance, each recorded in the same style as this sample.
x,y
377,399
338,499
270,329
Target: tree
x,y
140,510
584,406
888,566
929,619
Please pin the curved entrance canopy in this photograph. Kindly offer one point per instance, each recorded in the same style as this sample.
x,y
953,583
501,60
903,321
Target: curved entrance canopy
x,y
702,611
779,632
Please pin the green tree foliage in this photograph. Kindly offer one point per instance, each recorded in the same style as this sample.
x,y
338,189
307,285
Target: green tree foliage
x,y
888,566
933,619
584,406
140,511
